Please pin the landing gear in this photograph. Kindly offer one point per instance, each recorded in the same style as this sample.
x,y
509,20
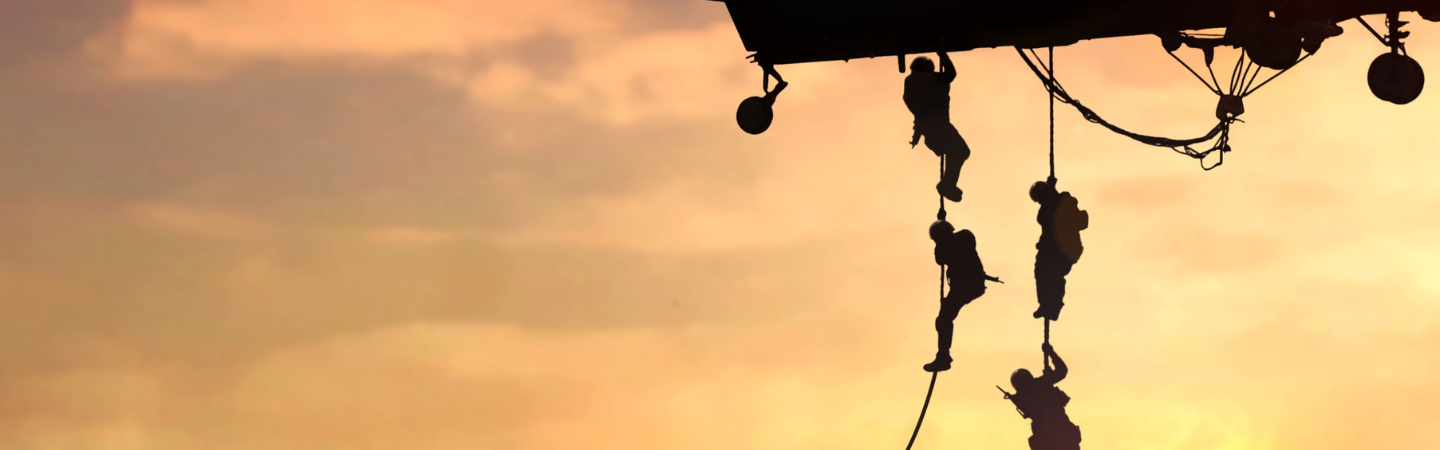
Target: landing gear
x,y
1395,77
756,113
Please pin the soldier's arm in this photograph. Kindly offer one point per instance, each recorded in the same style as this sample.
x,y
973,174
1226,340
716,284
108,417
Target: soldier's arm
x,y
980,266
1060,370
947,68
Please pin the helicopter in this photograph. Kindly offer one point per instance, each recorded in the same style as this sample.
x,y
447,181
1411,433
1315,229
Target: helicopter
x,y
1271,33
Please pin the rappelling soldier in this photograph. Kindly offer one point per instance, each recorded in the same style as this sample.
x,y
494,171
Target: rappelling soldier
x,y
927,95
1039,400
1059,247
966,274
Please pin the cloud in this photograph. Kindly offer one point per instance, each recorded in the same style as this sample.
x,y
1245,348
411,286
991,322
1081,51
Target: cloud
x,y
40,31
653,77
520,56
355,247
261,28
200,223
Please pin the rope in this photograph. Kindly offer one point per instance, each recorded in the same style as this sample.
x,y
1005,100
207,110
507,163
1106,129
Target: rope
x,y
941,214
1090,116
936,374
1235,73
1181,146
933,375
1383,41
1050,69
1197,75
1051,72
1272,77
1046,362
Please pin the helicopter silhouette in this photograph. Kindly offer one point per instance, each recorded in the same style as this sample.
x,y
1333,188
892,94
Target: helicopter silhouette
x,y
1272,33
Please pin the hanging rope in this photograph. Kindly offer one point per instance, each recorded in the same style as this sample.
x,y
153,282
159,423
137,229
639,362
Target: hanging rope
x,y
941,215
1046,362
936,374
1050,70
933,375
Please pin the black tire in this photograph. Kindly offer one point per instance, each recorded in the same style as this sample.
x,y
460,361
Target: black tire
x,y
1396,78
754,115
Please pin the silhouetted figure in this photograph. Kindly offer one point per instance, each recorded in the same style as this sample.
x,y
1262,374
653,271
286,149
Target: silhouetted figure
x,y
1039,400
966,274
1059,247
927,94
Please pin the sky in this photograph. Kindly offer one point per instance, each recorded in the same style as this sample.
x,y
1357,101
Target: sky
x,y
447,224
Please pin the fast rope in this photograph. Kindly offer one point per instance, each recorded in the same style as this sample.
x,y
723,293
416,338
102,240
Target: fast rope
x,y
933,375
941,214
1046,361
1050,71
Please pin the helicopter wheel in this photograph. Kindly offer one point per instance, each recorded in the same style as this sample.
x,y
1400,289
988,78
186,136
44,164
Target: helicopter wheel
x,y
754,115
1396,78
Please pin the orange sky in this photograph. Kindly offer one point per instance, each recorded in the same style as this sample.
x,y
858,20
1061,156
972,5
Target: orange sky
x,y
442,224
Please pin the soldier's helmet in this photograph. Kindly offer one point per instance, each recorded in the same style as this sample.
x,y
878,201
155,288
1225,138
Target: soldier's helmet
x,y
1041,191
1020,377
922,64
940,229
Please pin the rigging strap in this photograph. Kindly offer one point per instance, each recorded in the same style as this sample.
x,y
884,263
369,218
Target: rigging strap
x,y
1182,146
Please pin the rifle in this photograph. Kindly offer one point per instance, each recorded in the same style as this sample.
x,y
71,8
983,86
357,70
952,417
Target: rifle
x,y
1008,396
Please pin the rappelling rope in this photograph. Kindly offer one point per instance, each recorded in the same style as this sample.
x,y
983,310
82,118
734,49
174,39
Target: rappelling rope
x,y
941,215
933,376
936,374
1050,70
1046,361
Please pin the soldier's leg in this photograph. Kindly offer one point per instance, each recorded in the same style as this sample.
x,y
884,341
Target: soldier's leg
x,y
957,151
1043,438
1061,268
945,322
947,141
1042,283
1071,438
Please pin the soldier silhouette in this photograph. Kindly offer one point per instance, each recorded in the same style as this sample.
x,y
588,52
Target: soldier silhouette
x,y
1059,247
927,95
1039,400
967,277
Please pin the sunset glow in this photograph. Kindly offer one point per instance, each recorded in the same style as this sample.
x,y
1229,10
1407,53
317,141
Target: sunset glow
x,y
443,224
